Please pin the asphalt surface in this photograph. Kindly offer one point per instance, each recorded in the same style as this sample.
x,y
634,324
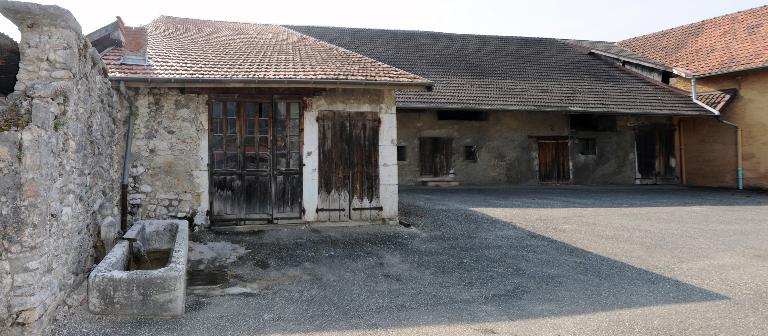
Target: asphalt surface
x,y
485,261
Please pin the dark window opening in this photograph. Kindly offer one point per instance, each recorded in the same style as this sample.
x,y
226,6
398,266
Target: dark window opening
x,y
462,115
665,77
593,123
587,146
470,153
9,64
401,153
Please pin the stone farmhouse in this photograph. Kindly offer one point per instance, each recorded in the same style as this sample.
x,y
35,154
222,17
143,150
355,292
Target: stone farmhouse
x,y
243,126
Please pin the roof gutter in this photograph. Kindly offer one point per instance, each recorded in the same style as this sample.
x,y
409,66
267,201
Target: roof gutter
x,y
739,148
420,86
629,59
126,160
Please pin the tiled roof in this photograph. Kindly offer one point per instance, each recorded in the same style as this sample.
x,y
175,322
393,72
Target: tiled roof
x,y
727,43
717,99
508,73
179,48
611,48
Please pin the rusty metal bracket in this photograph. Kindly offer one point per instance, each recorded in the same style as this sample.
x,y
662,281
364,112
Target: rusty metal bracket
x,y
330,210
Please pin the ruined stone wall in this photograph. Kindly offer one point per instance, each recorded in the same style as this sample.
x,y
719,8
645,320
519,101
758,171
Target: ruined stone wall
x,y
60,159
169,155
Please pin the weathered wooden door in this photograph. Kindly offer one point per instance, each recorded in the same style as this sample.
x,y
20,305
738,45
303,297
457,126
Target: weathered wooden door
x,y
348,166
435,156
255,162
655,146
554,161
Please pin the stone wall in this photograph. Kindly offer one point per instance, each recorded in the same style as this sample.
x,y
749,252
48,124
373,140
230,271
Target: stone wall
x,y
507,147
60,159
169,155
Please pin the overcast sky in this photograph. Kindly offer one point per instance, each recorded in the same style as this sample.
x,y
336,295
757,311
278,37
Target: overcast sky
x,y
609,20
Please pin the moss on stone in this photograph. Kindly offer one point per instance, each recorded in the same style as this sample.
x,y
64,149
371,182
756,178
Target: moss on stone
x,y
14,117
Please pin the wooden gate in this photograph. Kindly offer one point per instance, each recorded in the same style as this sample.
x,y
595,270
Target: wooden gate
x,y
255,162
554,161
348,166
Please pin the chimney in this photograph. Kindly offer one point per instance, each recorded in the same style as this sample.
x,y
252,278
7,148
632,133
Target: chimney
x,y
135,45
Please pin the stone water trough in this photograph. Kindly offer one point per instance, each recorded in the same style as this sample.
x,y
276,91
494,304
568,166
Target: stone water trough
x,y
156,288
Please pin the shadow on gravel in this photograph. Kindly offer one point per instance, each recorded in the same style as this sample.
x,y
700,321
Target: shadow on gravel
x,y
566,196
454,266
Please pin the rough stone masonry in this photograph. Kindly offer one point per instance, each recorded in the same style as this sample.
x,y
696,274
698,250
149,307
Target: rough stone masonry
x,y
61,141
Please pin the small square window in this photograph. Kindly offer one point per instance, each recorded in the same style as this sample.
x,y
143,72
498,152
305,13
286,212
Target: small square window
x,y
401,154
470,153
587,146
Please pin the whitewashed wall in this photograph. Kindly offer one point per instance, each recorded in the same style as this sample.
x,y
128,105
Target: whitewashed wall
x,y
353,100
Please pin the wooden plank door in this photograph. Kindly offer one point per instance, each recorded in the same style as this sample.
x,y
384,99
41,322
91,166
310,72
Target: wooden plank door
x,y
348,166
435,156
333,166
256,170
287,179
225,181
365,204
645,145
655,146
554,161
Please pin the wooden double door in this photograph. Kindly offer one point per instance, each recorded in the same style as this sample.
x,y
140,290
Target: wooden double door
x,y
255,161
655,146
348,167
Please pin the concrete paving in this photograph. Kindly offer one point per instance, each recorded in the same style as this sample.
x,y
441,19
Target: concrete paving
x,y
485,261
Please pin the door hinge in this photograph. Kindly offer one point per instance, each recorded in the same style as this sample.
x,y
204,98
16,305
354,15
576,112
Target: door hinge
x,y
330,210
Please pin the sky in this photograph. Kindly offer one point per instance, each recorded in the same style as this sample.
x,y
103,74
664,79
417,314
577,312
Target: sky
x,y
605,20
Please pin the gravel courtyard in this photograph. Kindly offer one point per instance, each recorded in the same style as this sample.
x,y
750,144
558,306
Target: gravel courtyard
x,y
485,261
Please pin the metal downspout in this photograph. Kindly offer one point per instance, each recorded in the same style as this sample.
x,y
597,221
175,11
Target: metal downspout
x,y
126,161
739,156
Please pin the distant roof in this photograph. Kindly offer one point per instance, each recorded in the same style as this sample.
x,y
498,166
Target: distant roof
x,y
717,99
727,43
476,72
179,48
611,49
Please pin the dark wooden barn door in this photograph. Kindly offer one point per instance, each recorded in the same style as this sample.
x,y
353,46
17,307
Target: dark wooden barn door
x,y
655,146
554,161
255,168
645,144
348,166
435,156
287,161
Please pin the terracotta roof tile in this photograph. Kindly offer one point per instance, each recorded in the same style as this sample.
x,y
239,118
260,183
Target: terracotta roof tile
x,y
509,73
727,43
717,99
203,49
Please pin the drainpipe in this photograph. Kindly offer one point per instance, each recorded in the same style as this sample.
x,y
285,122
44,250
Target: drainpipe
x,y
740,159
126,161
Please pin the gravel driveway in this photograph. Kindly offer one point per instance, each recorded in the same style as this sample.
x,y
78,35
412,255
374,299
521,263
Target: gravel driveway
x,y
492,260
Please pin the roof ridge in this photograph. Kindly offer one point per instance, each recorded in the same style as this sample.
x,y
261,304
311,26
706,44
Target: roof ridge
x,y
210,20
427,31
689,24
352,52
